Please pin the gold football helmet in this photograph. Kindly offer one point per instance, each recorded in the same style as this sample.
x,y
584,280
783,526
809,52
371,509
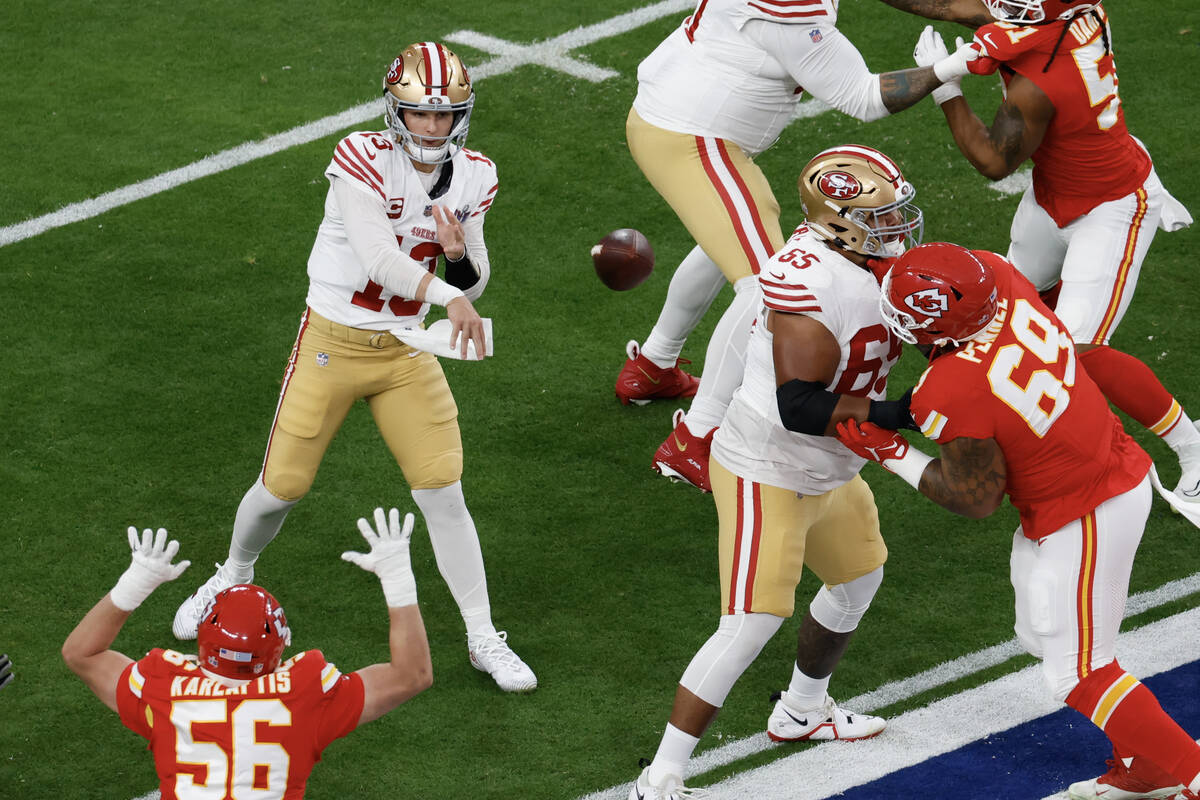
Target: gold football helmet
x,y
427,76
856,198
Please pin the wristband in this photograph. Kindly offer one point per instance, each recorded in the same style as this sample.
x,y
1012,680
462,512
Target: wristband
x,y
132,588
910,466
399,590
441,293
947,91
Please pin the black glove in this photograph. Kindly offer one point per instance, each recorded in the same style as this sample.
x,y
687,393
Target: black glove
x,y
893,414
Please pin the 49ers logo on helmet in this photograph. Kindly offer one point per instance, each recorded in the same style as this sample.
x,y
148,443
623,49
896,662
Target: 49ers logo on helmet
x,y
395,70
839,185
930,302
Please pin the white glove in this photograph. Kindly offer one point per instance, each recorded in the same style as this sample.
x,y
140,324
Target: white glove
x,y
436,339
954,66
930,52
149,568
389,558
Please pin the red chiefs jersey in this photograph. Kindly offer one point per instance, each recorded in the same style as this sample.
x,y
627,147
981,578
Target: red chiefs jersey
x,y
225,742
1021,384
1087,156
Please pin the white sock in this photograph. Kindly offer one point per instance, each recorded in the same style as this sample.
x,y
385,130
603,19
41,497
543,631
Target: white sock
x,y
725,360
696,283
805,693
673,754
459,557
259,517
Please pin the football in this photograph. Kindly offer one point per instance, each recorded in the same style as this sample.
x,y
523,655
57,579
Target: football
x,y
623,259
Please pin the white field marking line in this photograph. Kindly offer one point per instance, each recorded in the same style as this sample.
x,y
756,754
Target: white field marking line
x,y
550,54
1016,183
922,733
896,691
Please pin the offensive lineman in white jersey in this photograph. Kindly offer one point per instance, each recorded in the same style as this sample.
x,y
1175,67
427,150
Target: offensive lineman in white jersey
x,y
712,96
786,495
398,199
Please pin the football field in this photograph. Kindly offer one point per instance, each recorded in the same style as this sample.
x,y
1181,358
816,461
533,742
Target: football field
x,y
161,191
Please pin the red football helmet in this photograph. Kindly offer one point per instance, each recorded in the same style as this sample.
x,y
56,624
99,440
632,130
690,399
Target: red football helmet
x,y
1031,12
938,294
242,633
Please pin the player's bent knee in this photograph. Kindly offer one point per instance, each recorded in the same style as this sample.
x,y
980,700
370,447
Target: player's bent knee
x,y
437,472
840,608
287,485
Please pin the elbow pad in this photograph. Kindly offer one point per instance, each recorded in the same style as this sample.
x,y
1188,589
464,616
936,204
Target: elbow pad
x,y
806,406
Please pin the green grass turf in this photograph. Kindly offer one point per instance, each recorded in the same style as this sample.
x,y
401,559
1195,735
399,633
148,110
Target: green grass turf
x,y
146,348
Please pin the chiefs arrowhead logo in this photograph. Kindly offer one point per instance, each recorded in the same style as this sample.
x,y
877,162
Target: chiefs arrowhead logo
x,y
839,185
930,302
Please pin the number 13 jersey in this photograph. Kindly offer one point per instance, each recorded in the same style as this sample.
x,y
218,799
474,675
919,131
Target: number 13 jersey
x,y
1021,384
371,162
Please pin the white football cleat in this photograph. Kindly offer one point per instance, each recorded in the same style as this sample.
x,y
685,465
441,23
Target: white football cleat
x,y
491,654
669,788
1188,488
825,722
187,617
1139,780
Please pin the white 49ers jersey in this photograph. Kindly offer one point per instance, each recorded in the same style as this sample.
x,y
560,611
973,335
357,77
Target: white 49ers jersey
x,y
806,277
339,288
709,79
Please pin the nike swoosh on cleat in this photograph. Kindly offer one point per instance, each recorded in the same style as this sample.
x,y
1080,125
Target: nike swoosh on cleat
x,y
796,719
655,382
682,447
1193,492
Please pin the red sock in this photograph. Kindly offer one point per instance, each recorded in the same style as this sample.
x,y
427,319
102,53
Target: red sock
x,y
1129,714
1131,386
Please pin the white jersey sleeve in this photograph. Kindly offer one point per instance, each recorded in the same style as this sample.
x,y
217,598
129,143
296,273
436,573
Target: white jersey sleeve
x,y
826,64
379,223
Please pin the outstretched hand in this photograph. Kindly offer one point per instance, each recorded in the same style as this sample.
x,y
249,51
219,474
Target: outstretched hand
x,y
449,233
150,566
388,557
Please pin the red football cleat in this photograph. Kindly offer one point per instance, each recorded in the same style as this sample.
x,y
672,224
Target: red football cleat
x,y
641,380
1140,780
684,456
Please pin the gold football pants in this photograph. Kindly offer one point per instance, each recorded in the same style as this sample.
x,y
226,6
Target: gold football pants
x,y
332,366
768,534
718,193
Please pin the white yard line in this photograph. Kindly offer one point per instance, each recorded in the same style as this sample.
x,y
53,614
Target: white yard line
x,y
552,54
909,687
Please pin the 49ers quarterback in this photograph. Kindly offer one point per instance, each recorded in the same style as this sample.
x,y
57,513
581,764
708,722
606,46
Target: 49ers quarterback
x,y
1084,227
236,720
398,200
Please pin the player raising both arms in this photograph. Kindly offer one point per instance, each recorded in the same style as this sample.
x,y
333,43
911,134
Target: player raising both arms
x,y
1083,228
237,721
1013,413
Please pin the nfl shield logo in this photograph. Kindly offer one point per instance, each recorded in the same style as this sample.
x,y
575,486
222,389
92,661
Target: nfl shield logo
x,y
322,359
815,35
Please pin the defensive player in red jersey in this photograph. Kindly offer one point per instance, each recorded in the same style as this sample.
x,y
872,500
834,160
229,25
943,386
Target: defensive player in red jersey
x,y
236,721
398,200
1083,228
1014,414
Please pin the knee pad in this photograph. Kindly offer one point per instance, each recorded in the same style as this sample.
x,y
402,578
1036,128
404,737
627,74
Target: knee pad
x,y
840,608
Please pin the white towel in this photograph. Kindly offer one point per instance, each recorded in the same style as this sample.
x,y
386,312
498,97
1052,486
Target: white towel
x,y
436,339
1189,510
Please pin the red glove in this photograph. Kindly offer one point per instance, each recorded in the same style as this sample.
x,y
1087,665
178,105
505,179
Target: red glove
x,y
872,442
879,267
